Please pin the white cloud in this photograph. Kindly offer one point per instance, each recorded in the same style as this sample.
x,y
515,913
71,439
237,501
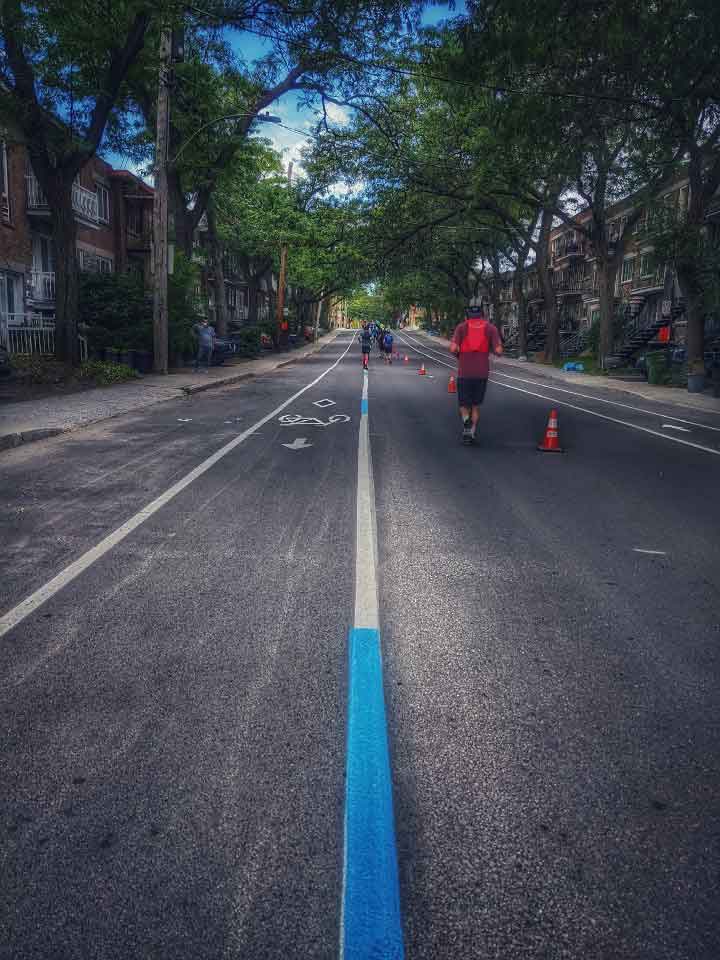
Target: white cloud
x,y
345,189
337,114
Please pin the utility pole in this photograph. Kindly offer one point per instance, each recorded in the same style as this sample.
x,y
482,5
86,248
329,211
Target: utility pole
x,y
160,209
281,321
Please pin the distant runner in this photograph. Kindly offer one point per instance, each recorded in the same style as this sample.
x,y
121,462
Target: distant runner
x,y
365,345
472,342
388,346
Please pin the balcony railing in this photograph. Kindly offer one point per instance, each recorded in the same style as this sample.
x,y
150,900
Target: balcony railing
x,y
571,248
651,281
41,286
84,201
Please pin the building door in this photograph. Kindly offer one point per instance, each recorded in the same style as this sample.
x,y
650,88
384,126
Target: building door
x,y
11,304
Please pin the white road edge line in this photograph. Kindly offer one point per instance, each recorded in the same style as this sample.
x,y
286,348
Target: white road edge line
x,y
27,606
592,413
585,396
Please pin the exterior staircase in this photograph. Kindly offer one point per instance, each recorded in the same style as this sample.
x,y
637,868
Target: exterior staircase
x,y
637,334
573,343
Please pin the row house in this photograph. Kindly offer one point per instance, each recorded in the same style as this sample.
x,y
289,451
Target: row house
x,y
237,297
646,292
113,209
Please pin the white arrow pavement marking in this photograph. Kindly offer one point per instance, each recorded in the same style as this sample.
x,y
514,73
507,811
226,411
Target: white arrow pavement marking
x,y
299,443
673,426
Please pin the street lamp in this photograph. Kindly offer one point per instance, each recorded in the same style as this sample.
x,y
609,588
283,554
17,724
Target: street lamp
x,y
260,117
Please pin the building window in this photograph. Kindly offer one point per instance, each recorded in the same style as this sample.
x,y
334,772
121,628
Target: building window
x,y
4,184
232,297
628,268
103,195
594,315
646,265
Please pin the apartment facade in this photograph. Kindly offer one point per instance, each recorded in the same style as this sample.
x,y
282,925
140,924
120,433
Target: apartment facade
x,y
647,295
113,209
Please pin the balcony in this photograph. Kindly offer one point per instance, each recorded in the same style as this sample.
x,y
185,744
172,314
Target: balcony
x,y
649,282
139,242
84,201
567,251
570,286
41,287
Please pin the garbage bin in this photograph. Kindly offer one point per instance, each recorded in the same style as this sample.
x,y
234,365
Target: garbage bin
x,y
657,368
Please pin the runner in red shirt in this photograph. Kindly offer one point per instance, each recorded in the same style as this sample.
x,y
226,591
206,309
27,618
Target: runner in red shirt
x,y
472,342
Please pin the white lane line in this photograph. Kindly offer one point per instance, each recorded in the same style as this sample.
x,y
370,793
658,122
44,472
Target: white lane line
x,y
27,606
652,553
592,413
366,595
585,396
675,426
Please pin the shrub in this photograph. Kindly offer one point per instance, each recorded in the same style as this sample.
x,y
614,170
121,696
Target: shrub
x,y
248,341
104,374
116,311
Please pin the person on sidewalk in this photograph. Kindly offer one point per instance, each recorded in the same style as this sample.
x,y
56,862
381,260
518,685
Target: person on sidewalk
x,y
365,345
472,342
205,335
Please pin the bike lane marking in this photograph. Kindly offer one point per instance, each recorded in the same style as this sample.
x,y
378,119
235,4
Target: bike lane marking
x,y
18,613
370,919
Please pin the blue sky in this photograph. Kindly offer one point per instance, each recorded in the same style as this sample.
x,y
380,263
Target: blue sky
x,y
249,47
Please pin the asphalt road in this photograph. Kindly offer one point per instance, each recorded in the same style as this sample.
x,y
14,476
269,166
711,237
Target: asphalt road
x,y
174,718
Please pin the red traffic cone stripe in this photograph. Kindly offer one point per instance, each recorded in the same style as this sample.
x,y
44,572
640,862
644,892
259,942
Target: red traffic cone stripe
x,y
452,388
551,441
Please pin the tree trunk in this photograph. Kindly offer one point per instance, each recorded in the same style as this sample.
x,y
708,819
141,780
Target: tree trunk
x,y
218,273
606,280
67,282
253,290
694,314
182,220
552,340
521,300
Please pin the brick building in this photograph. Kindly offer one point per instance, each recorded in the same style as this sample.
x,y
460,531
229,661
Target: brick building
x,y
113,209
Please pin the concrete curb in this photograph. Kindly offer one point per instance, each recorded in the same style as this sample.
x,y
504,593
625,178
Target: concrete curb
x,y
9,441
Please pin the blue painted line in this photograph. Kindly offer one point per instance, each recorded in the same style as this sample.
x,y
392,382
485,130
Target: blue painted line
x,y
371,924
363,406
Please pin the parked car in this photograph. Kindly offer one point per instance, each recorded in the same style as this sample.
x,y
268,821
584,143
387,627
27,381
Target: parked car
x,y
5,363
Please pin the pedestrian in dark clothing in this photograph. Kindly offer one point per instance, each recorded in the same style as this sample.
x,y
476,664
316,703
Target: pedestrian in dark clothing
x,y
205,335
365,345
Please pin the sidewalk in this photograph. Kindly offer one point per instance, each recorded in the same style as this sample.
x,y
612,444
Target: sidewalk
x,y
674,396
47,417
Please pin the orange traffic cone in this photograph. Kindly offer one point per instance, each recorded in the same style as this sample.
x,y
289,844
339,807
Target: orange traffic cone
x,y
451,385
551,441
422,371
407,359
